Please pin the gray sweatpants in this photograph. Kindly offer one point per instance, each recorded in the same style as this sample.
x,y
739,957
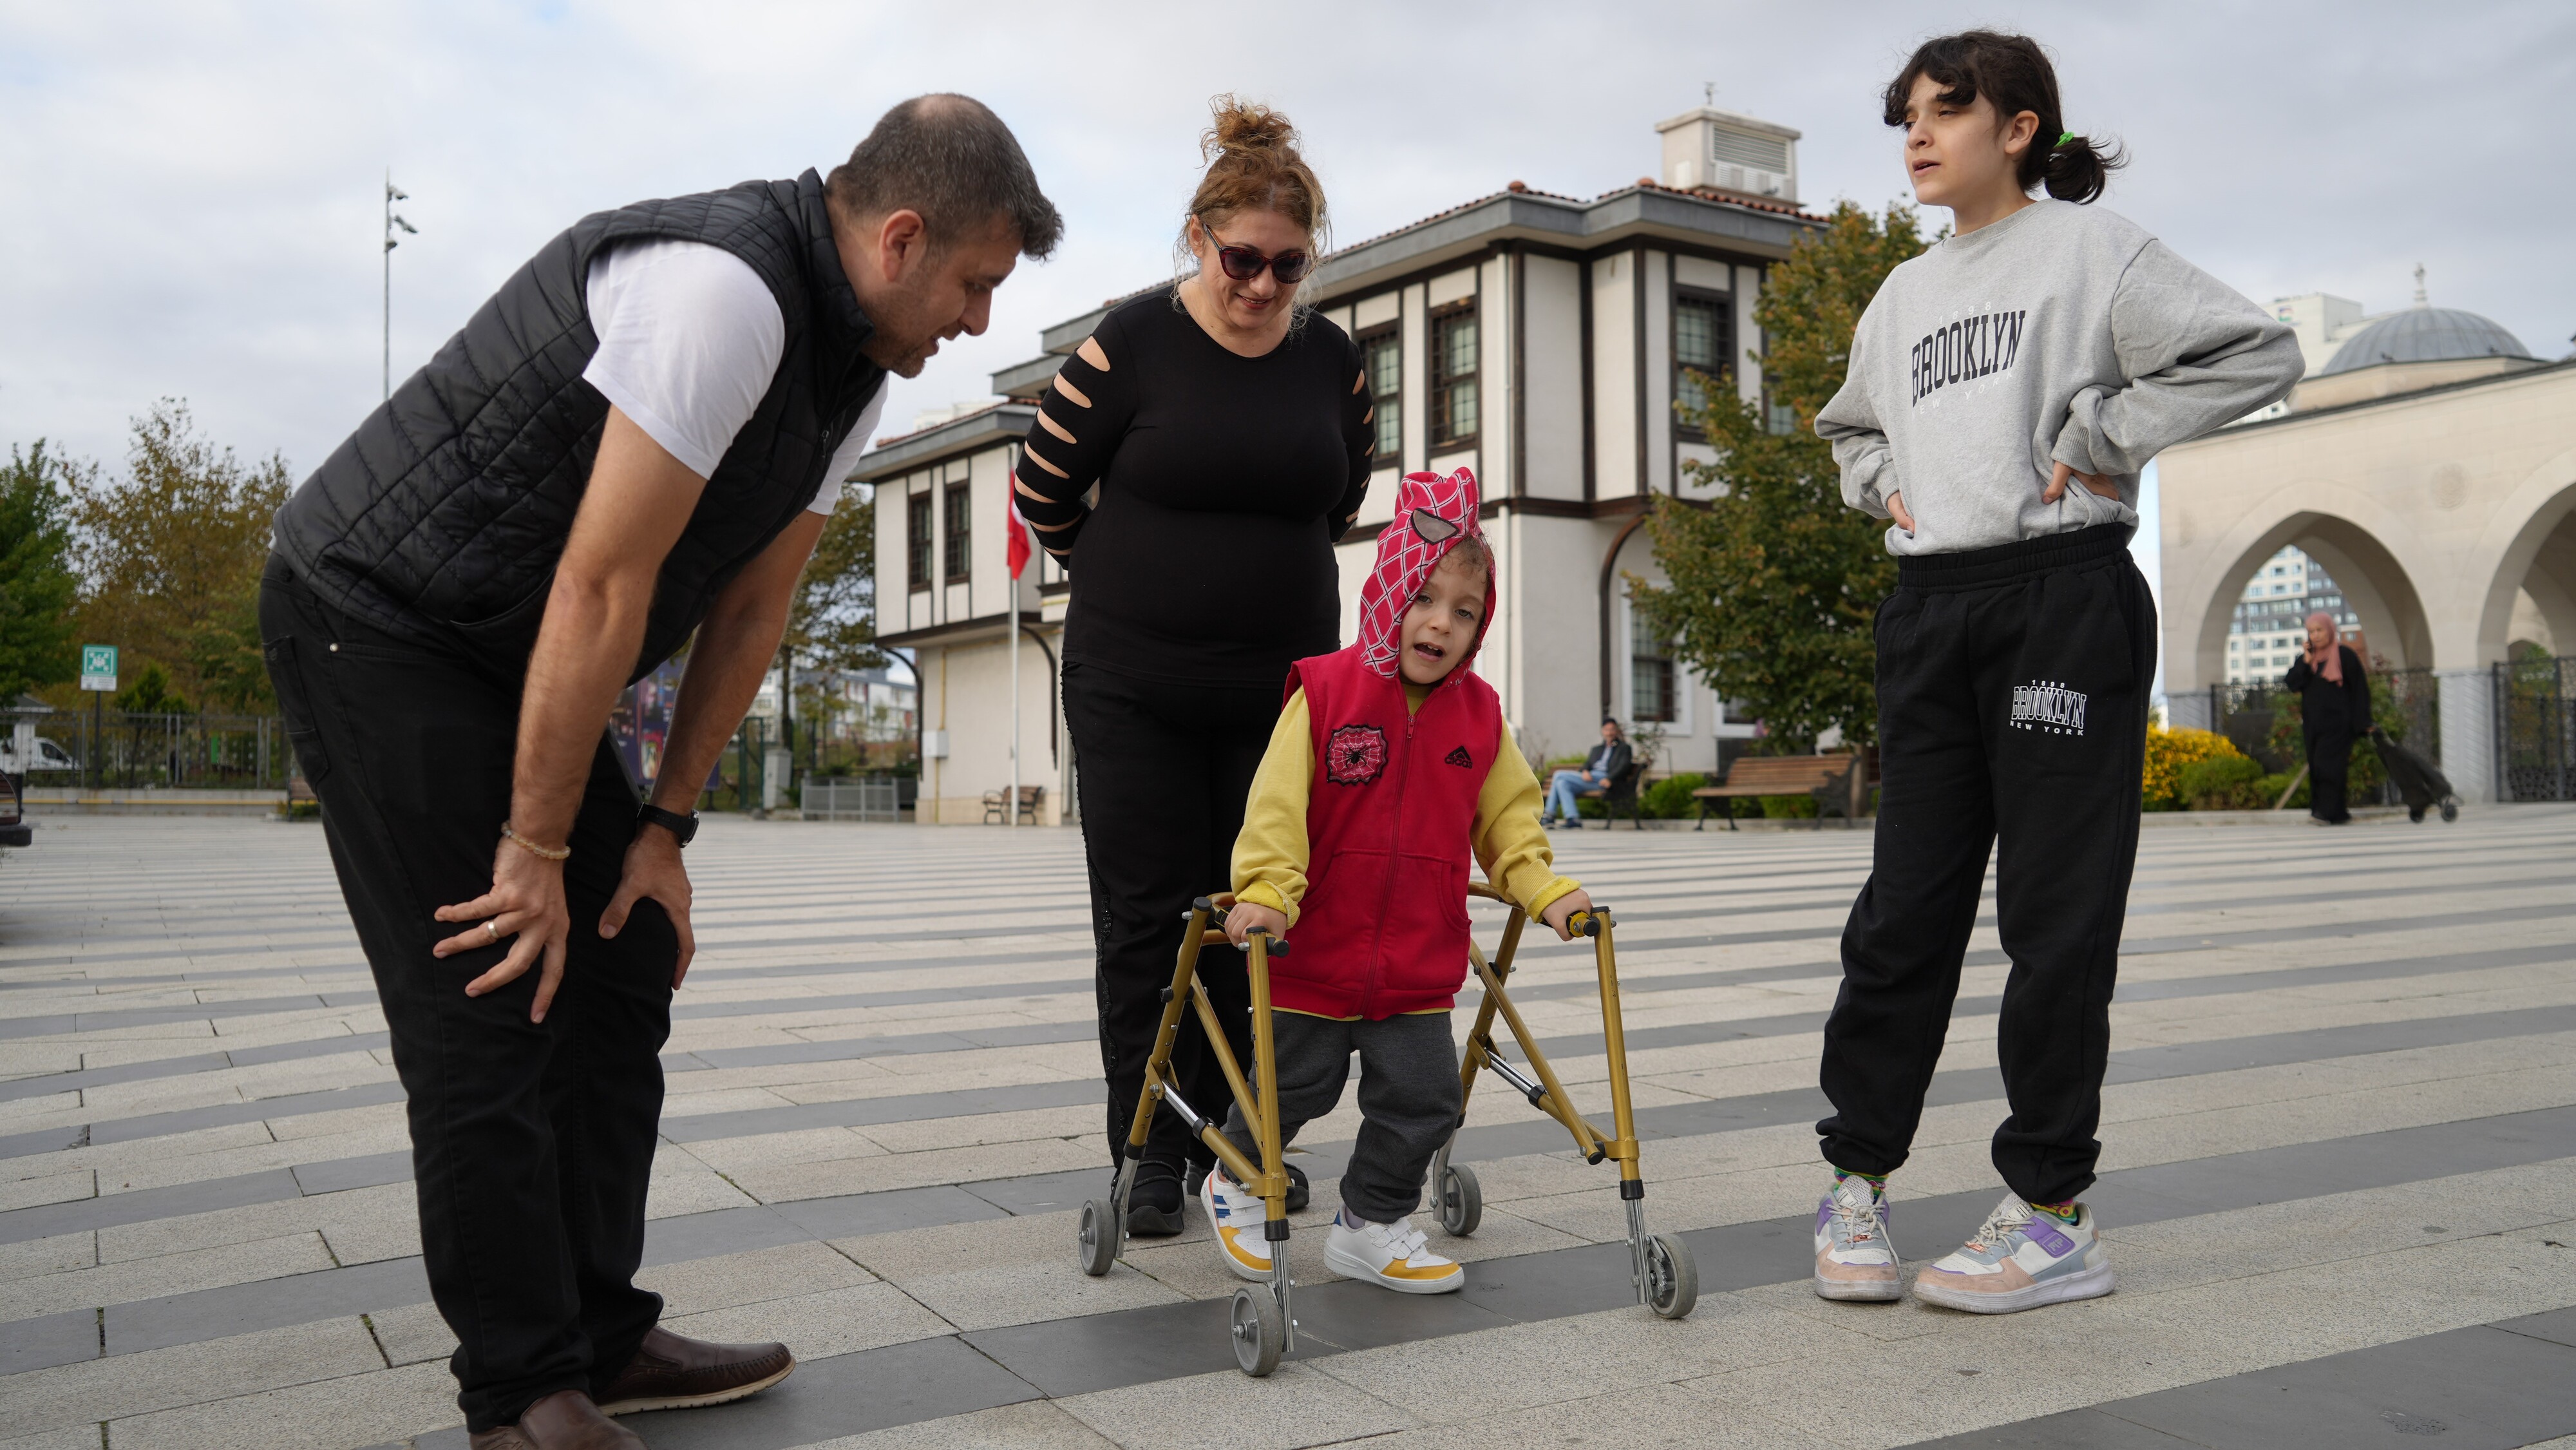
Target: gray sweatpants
x,y
1408,1100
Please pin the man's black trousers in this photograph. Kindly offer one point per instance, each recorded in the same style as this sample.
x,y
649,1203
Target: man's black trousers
x,y
2012,702
1164,770
531,1143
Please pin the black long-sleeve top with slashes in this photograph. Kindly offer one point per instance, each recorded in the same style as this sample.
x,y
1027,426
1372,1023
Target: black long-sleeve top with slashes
x,y
1224,482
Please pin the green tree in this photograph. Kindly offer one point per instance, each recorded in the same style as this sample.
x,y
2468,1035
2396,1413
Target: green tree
x,y
177,545
831,622
224,652
37,585
1774,585
150,694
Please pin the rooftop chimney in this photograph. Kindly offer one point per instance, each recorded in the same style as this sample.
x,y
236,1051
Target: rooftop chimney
x,y
1720,153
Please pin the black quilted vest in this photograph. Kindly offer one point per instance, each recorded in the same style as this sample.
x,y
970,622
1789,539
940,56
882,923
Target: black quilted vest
x,y
442,518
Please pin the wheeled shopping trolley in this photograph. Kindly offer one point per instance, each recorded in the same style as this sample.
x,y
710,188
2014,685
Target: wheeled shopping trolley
x,y
1262,1324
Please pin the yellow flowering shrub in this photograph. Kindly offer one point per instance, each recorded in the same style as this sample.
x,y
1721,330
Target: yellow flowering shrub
x,y
2168,751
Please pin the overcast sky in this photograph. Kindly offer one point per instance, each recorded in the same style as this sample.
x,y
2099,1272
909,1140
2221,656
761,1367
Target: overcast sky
x,y
192,189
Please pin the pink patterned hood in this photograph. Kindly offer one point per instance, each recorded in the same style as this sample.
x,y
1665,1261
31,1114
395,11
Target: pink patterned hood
x,y
1431,515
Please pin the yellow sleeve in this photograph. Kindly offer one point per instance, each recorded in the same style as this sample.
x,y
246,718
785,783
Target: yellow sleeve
x,y
1510,843
1270,855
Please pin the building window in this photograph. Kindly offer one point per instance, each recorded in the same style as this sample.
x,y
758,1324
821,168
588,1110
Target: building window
x,y
916,541
1453,376
1382,354
961,537
1651,695
1703,342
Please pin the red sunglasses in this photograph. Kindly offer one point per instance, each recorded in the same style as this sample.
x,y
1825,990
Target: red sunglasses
x,y
1245,263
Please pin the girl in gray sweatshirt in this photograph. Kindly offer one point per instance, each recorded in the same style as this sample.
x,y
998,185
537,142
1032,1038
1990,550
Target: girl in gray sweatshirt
x,y
2005,390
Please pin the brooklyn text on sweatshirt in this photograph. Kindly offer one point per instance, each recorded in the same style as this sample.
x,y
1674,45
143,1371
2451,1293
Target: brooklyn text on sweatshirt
x,y
1965,350
2061,334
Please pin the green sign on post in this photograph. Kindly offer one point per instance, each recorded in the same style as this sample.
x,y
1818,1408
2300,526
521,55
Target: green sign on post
x,y
98,667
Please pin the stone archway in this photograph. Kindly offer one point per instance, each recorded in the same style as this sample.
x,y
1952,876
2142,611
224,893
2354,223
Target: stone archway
x,y
2529,546
2374,582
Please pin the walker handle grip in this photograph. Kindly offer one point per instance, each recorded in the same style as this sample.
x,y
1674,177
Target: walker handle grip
x,y
1276,946
1586,922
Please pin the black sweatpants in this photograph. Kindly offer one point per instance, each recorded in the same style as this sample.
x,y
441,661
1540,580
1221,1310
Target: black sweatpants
x,y
1164,770
1409,1101
2012,704
2329,767
531,1142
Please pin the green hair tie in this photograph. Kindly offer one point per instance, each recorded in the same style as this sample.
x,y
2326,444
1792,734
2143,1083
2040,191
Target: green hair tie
x,y
2062,138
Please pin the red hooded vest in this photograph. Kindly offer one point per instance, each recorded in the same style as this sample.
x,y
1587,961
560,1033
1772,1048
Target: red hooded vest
x,y
1382,928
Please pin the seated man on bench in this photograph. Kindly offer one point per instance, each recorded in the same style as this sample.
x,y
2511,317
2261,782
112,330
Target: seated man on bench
x,y
1600,768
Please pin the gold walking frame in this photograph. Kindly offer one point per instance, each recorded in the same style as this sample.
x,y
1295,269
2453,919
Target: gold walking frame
x,y
1263,1325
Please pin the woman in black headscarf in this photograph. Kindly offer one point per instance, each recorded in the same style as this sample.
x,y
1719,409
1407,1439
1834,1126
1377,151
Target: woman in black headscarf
x,y
2334,707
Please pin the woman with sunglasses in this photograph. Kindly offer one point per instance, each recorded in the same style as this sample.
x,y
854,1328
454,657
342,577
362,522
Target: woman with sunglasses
x,y
1228,435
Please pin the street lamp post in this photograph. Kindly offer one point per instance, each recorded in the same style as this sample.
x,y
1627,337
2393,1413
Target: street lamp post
x,y
393,219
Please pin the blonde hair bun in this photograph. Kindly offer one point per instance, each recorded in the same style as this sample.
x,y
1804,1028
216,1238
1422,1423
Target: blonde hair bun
x,y
1253,165
1245,126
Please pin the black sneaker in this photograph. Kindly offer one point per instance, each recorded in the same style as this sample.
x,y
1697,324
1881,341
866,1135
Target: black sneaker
x,y
1298,1194
1154,1202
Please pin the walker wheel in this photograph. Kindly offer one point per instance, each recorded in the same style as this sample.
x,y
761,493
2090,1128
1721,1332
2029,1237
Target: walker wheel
x,y
1259,1330
1462,1200
1672,1277
2450,808
1096,1242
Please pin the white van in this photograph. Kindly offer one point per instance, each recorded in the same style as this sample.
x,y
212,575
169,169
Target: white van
x,y
42,754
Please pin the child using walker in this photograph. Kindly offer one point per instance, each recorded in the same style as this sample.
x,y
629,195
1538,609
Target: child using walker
x,y
1390,766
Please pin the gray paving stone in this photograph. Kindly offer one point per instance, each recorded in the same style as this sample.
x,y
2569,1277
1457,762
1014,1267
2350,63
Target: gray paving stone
x,y
339,1174
762,886
2472,1387
847,1394
263,1304
110,1210
48,1340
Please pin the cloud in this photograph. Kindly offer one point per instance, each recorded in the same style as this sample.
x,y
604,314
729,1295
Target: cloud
x,y
194,204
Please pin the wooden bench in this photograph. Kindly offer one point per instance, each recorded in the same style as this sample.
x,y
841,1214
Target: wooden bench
x,y
996,806
299,794
1766,775
1621,791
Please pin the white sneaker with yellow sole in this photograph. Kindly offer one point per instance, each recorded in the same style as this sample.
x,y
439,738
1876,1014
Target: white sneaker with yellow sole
x,y
1390,1255
1237,1214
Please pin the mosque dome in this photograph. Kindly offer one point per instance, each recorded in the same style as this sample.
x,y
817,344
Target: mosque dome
x,y
2424,334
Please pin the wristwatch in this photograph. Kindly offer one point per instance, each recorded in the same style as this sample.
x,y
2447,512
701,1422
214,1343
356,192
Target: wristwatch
x,y
681,827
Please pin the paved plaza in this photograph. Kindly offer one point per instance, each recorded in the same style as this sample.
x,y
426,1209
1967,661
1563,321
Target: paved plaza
x,y
2341,1117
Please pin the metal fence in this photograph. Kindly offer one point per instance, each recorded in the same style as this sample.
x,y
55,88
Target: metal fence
x,y
855,798
130,750
2407,703
2536,728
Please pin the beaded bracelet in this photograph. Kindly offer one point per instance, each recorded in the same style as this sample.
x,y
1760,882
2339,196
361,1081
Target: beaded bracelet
x,y
550,853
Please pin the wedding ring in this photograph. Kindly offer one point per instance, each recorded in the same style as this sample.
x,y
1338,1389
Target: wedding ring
x,y
493,931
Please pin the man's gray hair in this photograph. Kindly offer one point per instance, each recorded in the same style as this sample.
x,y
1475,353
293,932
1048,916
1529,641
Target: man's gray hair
x,y
951,159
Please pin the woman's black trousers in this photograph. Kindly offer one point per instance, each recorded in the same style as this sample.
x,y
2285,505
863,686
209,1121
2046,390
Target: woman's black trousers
x,y
1163,770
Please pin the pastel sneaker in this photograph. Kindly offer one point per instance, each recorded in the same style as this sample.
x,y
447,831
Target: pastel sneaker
x,y
1390,1255
2020,1259
1237,1216
1854,1257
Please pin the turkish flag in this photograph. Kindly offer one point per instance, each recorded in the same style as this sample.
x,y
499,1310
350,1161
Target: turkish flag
x,y
1017,553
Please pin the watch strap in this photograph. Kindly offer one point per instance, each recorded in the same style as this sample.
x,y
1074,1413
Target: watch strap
x,y
681,827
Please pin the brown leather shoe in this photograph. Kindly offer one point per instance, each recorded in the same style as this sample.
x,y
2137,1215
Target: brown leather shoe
x,y
564,1420
672,1372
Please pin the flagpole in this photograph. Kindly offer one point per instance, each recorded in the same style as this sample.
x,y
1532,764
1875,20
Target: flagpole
x,y
1015,701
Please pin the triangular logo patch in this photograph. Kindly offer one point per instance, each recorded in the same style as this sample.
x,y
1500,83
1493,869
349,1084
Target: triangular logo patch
x,y
1458,758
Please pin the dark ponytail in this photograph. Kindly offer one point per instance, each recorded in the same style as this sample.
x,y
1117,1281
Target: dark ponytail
x,y
2014,75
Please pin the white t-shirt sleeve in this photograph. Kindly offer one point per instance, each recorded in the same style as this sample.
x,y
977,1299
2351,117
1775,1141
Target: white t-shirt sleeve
x,y
689,343
846,457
